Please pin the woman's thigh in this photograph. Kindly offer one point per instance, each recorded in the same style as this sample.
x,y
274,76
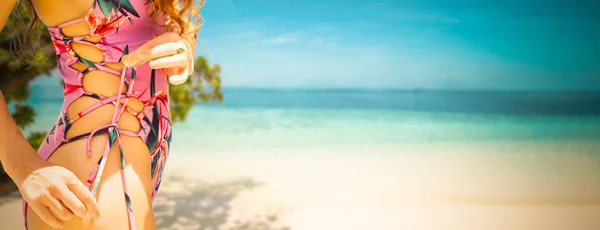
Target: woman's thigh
x,y
111,200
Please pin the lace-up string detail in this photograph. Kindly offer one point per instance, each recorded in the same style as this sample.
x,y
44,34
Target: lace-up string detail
x,y
114,136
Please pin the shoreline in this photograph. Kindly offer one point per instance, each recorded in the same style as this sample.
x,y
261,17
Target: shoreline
x,y
486,185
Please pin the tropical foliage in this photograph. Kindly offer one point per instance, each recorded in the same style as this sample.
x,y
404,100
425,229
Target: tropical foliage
x,y
184,96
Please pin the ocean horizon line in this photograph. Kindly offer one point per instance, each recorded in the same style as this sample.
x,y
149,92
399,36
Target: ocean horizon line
x,y
400,89
385,89
525,102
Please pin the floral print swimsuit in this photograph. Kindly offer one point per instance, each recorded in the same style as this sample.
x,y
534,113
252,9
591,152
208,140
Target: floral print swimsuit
x,y
122,26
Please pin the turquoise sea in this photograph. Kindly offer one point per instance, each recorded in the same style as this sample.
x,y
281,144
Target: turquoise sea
x,y
296,118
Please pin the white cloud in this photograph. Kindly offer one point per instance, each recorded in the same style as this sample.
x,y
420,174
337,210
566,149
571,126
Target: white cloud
x,y
320,41
247,35
283,39
317,41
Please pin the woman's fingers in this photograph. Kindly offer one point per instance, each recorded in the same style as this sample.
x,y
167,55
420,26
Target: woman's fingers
x,y
167,49
177,60
143,53
178,79
46,215
177,75
68,198
173,71
56,194
85,196
167,52
57,208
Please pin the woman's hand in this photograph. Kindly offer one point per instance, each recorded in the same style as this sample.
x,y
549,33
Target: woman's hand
x,y
53,192
169,52
56,194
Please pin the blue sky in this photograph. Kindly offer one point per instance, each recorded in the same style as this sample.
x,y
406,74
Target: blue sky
x,y
404,44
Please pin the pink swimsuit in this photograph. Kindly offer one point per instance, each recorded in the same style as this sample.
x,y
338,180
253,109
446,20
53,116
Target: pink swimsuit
x,y
124,25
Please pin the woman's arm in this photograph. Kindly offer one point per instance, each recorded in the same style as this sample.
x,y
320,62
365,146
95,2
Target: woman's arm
x,y
10,135
14,147
6,7
43,185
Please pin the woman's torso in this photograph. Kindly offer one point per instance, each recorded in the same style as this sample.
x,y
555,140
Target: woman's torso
x,y
92,71
90,37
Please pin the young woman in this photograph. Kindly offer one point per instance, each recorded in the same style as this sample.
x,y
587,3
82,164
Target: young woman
x,y
100,165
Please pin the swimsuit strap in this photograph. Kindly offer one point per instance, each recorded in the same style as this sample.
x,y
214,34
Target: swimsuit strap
x,y
114,136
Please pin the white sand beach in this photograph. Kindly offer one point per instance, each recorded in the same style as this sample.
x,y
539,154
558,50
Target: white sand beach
x,y
439,186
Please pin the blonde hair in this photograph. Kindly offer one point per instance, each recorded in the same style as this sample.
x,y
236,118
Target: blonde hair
x,y
183,14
